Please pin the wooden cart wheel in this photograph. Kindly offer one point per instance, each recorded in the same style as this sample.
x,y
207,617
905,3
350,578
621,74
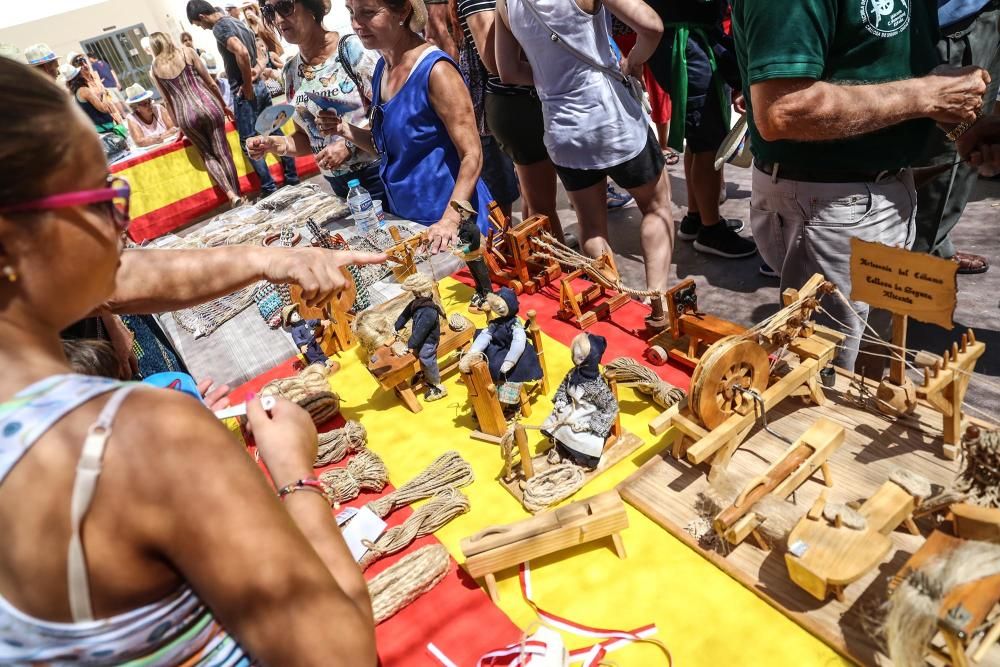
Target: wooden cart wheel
x,y
656,355
516,286
728,365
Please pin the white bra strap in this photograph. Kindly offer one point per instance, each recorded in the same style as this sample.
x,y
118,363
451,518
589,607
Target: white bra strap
x,y
88,469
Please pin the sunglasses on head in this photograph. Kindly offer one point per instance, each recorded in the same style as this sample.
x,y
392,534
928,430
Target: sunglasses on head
x,y
282,8
114,196
78,61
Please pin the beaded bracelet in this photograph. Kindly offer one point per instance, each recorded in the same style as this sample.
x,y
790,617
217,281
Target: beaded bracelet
x,y
308,484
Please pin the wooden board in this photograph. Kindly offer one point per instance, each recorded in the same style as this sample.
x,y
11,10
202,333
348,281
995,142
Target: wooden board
x,y
666,490
622,448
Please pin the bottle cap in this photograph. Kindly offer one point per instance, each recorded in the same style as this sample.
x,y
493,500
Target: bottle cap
x,y
353,183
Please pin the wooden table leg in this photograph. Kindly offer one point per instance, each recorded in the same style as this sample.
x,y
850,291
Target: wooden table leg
x,y
619,545
409,398
491,587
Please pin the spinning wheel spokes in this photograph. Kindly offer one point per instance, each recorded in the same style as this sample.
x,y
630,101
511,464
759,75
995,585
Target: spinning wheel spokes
x,y
728,368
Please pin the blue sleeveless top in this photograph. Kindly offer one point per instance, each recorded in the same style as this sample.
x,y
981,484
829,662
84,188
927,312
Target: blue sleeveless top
x,y
419,162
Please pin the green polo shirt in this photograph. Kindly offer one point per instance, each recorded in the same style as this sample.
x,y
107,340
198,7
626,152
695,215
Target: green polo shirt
x,y
845,41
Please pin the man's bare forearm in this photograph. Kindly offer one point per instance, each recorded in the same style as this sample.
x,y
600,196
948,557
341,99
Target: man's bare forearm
x,y
821,111
157,281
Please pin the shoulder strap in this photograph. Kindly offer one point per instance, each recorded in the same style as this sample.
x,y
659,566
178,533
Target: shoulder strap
x,y
88,469
348,66
557,38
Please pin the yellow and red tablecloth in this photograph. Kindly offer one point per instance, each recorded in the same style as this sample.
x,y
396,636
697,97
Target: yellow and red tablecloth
x,y
170,186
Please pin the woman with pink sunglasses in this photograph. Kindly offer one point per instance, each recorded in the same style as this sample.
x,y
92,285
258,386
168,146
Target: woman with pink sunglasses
x,y
135,528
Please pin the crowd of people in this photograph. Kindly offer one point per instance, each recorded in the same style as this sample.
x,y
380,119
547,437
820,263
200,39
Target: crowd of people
x,y
476,101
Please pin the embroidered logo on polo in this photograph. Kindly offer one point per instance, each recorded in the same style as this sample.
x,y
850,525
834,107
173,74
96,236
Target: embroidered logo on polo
x,y
885,18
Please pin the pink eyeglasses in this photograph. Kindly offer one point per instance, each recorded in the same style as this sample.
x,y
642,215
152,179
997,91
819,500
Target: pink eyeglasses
x,y
115,195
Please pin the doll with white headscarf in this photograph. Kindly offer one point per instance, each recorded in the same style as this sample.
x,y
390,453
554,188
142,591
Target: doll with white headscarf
x,y
584,408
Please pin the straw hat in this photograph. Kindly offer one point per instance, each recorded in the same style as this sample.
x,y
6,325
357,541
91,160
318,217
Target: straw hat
x,y
68,72
36,54
286,313
71,57
11,52
136,93
419,18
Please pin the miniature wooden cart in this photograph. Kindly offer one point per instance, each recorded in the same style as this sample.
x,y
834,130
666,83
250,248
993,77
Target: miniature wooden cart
x,y
686,324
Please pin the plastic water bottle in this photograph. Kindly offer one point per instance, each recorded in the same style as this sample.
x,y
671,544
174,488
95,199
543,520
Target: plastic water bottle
x,y
362,209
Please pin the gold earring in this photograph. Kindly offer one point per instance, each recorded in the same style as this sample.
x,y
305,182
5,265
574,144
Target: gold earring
x,y
10,274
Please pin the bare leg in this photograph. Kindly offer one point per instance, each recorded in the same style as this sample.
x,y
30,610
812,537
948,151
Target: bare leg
x,y
538,192
704,184
689,181
592,212
657,230
662,134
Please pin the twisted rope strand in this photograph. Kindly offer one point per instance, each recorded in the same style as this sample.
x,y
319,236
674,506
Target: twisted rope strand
x,y
549,487
449,469
629,372
336,444
407,580
366,471
429,517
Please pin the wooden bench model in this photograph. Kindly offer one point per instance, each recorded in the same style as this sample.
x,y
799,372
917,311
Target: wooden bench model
x,y
801,460
501,547
831,557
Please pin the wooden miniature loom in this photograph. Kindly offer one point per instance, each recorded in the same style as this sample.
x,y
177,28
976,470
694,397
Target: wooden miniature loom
x,y
595,301
483,392
687,323
831,557
339,336
801,460
732,387
500,547
397,373
512,257
403,253
522,465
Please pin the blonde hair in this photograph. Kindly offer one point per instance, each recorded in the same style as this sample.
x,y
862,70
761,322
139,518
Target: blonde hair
x,y
161,44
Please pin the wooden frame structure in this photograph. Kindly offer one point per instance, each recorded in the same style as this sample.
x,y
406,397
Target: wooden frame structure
x,y
687,324
403,253
732,387
595,301
511,256
501,547
483,392
339,336
944,386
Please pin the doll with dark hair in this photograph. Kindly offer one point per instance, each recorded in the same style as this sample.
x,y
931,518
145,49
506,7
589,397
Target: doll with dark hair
x,y
306,334
470,240
584,408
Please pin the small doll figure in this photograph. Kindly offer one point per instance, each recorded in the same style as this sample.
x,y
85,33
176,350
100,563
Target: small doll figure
x,y
306,334
511,357
470,238
584,408
426,334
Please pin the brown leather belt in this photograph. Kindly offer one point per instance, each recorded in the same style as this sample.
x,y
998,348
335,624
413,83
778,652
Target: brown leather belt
x,y
793,173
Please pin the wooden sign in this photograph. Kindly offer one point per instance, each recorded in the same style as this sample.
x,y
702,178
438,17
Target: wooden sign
x,y
907,283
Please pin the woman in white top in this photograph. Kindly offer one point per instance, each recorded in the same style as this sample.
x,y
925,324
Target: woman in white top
x,y
149,123
594,127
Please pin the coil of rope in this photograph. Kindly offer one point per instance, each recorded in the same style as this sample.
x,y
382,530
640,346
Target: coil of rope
x,y
551,486
448,470
629,372
336,444
429,517
366,471
404,582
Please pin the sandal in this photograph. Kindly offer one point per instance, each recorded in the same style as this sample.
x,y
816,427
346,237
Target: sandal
x,y
969,264
670,156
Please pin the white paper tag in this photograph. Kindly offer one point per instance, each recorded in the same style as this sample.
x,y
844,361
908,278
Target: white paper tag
x,y
798,548
366,525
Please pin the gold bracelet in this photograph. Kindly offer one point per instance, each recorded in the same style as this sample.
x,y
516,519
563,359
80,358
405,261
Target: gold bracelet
x,y
962,127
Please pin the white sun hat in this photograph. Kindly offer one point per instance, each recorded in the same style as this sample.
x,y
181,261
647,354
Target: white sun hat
x,y
137,93
36,54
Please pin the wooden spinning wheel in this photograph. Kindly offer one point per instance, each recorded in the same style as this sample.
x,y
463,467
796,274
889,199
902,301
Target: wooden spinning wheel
x,y
729,365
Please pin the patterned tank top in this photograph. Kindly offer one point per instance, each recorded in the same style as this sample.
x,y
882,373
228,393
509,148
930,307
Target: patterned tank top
x,y
178,630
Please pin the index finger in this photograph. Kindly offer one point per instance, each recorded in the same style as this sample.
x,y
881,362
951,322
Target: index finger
x,y
353,257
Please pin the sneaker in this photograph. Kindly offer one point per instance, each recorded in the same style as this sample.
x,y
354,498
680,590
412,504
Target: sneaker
x,y
722,241
766,270
435,392
477,301
690,226
617,199
570,240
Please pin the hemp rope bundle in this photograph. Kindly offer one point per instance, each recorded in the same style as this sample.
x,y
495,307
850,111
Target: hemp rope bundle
x,y
336,444
429,517
366,471
448,470
552,485
629,372
980,476
458,322
404,582
376,327
911,618
310,389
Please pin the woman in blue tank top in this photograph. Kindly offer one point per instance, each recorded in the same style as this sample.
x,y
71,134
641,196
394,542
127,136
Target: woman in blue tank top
x,y
423,127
